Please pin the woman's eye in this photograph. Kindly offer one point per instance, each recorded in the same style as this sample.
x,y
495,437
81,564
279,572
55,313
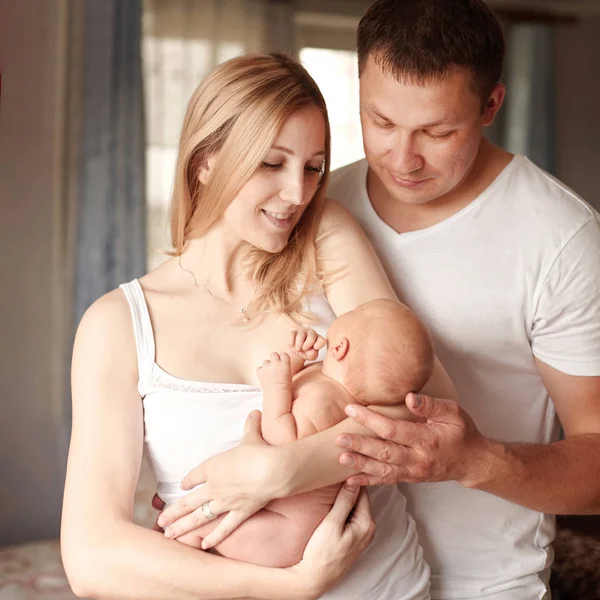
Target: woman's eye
x,y
310,169
270,166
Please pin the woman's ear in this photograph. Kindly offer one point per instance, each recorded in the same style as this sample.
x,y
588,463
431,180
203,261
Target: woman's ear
x,y
206,169
340,348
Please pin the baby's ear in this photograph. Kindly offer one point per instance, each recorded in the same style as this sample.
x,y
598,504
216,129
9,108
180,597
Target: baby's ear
x,y
340,348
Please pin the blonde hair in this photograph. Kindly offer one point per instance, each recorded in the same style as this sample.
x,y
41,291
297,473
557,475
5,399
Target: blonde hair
x,y
238,111
390,353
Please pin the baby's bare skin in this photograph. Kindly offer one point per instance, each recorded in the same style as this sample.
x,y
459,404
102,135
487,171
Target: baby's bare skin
x,y
297,402
276,536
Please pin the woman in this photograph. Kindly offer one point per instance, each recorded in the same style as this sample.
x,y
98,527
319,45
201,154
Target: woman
x,y
248,208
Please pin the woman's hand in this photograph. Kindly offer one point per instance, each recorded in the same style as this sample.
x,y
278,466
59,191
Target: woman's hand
x,y
337,542
236,482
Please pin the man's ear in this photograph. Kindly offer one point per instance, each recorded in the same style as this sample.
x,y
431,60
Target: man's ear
x,y
206,169
340,348
494,103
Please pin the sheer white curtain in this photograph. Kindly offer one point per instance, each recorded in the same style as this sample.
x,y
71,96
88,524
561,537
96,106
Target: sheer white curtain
x,y
182,41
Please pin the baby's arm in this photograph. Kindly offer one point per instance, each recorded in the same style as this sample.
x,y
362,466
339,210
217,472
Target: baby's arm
x,y
278,423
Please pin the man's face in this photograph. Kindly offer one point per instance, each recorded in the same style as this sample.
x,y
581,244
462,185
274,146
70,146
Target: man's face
x,y
420,140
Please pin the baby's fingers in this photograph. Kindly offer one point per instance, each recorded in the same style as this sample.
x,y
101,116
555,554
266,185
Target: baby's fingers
x,y
320,343
300,339
311,354
309,341
313,341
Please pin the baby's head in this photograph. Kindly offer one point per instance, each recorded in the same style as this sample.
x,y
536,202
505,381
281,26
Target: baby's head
x,y
379,352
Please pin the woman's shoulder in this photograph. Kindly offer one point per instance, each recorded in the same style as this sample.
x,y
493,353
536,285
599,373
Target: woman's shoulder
x,y
335,213
338,225
106,326
110,309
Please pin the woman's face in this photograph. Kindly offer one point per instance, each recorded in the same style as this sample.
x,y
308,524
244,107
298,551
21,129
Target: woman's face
x,y
268,207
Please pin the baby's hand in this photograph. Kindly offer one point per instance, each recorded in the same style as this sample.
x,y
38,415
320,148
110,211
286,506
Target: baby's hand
x,y
276,370
306,343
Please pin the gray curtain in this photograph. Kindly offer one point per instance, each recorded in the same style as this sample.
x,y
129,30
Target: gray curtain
x,y
111,207
531,110
527,123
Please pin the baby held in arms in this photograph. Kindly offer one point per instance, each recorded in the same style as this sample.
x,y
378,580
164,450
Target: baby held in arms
x,y
376,354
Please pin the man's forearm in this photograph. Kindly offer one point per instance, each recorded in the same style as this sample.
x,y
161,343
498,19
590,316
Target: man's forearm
x,y
558,478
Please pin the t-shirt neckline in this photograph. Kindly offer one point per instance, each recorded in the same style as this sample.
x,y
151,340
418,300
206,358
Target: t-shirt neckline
x,y
446,222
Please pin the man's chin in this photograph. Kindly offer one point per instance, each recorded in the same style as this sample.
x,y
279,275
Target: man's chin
x,y
411,197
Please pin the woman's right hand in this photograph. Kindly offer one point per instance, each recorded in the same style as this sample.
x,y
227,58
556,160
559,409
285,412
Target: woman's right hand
x,y
236,482
337,542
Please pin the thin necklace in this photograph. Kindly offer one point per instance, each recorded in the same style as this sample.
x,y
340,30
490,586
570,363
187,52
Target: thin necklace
x,y
242,311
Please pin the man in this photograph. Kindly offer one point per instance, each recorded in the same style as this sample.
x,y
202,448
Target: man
x,y
501,262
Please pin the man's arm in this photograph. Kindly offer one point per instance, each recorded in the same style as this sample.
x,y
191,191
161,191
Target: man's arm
x,y
562,477
558,478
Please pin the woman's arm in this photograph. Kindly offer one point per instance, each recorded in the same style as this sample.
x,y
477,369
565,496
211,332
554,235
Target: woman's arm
x,y
105,555
356,276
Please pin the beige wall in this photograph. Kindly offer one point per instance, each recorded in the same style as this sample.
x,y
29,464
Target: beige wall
x,y
32,53
578,127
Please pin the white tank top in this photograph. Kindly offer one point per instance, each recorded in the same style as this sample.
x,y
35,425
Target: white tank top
x,y
187,422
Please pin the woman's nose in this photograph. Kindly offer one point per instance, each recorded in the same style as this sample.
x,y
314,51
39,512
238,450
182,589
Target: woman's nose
x,y
292,191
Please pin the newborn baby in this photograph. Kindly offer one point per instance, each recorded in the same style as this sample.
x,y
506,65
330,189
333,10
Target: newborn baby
x,y
376,354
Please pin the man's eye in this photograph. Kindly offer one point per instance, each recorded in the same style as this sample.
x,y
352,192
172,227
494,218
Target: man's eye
x,y
270,166
383,124
439,136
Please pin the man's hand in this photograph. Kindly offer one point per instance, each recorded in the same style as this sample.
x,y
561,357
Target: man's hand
x,y
235,482
446,447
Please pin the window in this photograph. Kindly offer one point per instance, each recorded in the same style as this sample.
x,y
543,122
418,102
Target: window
x,y
336,73
184,39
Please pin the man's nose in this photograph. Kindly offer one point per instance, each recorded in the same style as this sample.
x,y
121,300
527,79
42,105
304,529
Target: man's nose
x,y
406,157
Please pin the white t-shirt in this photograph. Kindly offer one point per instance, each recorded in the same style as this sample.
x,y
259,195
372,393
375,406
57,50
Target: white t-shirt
x,y
513,275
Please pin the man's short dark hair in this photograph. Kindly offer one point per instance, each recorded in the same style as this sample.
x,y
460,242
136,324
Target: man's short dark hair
x,y
423,40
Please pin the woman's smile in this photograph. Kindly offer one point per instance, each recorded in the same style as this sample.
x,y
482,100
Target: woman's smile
x,y
280,220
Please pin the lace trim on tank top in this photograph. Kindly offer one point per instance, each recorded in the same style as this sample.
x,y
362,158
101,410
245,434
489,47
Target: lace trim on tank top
x,y
150,375
161,380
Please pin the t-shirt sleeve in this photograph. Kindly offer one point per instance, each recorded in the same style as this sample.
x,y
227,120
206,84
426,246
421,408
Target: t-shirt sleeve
x,y
566,325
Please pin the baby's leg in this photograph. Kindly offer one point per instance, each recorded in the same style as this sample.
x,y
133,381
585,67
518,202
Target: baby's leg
x,y
192,538
271,538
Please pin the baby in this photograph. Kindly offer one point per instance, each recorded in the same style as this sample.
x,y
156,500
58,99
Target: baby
x,y
376,355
